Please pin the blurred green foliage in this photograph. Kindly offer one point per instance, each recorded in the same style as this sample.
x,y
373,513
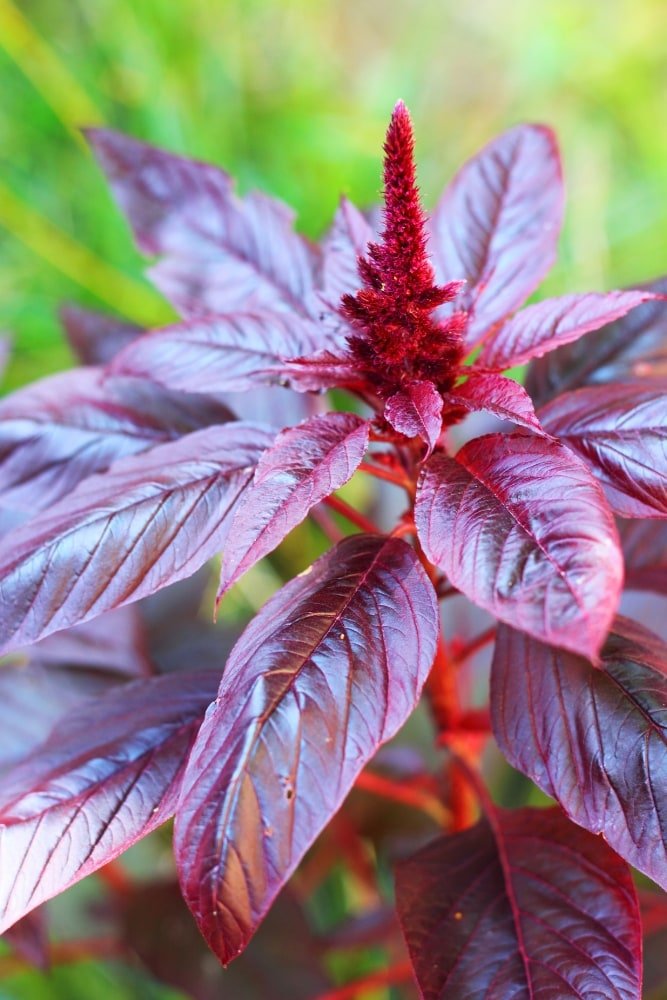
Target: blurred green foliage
x,y
293,96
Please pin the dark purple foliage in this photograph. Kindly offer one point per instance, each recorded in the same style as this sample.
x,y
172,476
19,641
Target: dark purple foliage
x,y
121,480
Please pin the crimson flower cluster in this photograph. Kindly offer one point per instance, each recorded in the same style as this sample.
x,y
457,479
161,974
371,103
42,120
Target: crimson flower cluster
x,y
520,533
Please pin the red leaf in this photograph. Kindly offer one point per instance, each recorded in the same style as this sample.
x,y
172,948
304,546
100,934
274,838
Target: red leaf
x,y
102,780
63,428
330,668
304,465
151,520
634,346
416,411
522,905
542,327
219,252
229,353
621,433
96,337
496,394
498,222
594,739
522,528
644,545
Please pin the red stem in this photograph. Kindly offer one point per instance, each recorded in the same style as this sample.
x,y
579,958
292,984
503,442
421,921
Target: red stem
x,y
460,655
327,524
352,515
376,784
380,472
401,972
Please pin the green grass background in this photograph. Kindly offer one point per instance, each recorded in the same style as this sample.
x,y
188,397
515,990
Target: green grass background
x,y
293,96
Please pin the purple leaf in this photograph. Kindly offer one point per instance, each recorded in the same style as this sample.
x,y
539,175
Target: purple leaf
x,y
63,428
215,354
524,905
496,394
219,252
304,465
323,370
329,669
594,739
342,247
102,780
498,222
416,411
522,528
96,337
546,325
644,545
151,520
621,433
634,346
116,641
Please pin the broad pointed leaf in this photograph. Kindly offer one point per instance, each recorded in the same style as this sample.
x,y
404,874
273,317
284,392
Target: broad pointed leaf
x,y
522,528
151,520
621,433
498,222
103,779
496,394
595,739
330,668
524,905
644,545
220,252
342,247
231,353
632,347
546,325
416,411
304,465
94,336
63,428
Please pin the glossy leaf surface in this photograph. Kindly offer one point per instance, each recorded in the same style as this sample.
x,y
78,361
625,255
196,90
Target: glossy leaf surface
x,y
522,528
329,669
524,905
151,520
229,353
104,778
63,428
498,222
621,433
546,325
94,336
496,394
304,465
416,411
594,739
632,347
220,252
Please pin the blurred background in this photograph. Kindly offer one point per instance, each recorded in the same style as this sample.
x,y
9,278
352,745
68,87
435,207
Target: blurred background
x,y
293,97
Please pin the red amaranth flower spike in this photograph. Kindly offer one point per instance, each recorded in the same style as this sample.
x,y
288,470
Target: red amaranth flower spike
x,y
397,339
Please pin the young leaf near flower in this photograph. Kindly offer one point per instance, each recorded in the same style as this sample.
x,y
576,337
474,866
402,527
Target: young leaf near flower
x,y
143,474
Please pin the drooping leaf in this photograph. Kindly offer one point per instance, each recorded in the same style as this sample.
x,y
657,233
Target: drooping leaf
x,y
416,411
103,779
621,433
63,428
498,222
224,353
594,739
94,336
329,669
151,520
304,465
522,528
496,394
219,252
523,905
634,346
644,545
546,325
